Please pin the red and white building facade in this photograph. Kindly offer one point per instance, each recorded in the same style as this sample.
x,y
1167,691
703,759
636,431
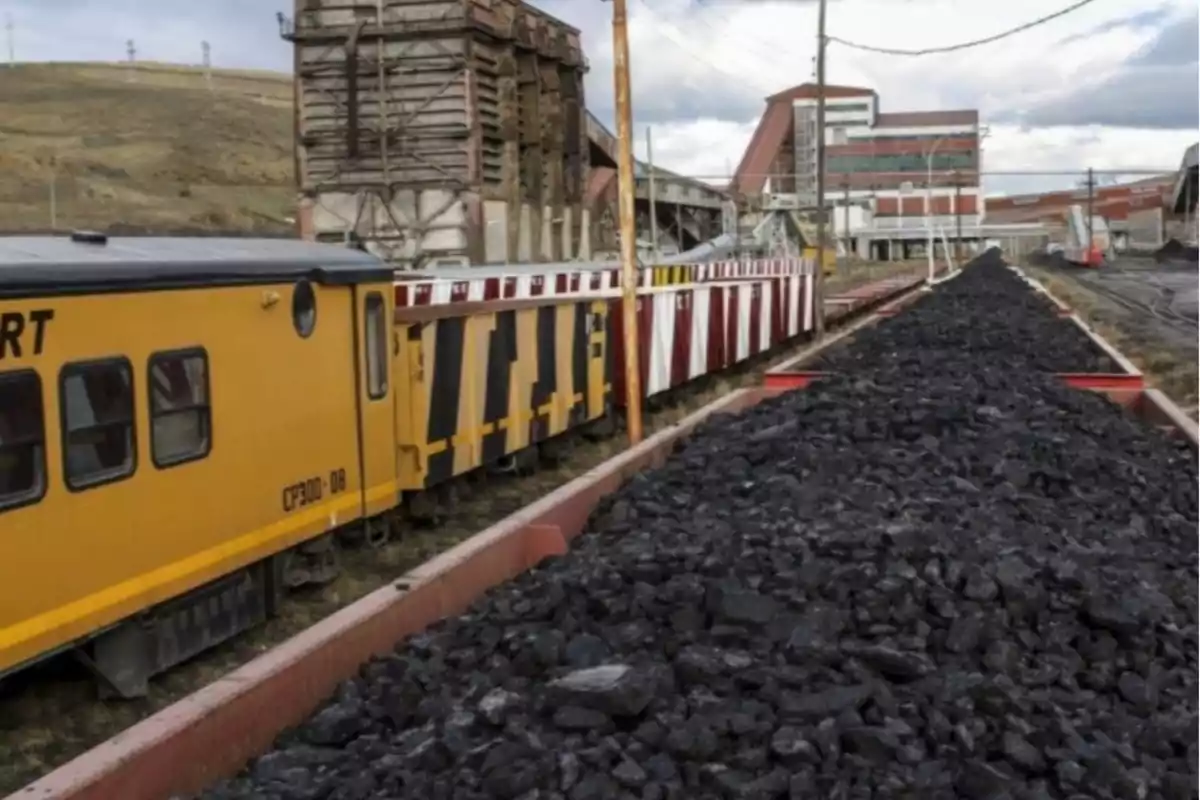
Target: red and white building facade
x,y
1138,214
890,177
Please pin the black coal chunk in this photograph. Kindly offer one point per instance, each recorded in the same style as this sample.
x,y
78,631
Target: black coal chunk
x,y
931,576
987,313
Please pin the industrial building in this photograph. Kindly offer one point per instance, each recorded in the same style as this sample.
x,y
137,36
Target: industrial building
x,y
894,179
1133,215
441,133
455,132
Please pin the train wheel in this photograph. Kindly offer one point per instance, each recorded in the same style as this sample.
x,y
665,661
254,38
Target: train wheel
x,y
312,563
423,507
603,427
525,462
556,450
376,531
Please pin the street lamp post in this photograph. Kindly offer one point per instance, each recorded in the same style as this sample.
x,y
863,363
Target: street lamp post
x,y
929,203
981,133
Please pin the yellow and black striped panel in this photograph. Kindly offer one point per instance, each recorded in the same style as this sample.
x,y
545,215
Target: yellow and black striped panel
x,y
830,258
673,275
498,379
412,405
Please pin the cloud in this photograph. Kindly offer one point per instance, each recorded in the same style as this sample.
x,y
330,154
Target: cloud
x,y
1156,87
1150,17
1175,45
716,61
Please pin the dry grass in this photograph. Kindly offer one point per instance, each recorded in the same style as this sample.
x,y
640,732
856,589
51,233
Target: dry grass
x,y
161,150
1168,369
855,273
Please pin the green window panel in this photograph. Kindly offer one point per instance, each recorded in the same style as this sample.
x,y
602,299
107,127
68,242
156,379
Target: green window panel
x,y
906,162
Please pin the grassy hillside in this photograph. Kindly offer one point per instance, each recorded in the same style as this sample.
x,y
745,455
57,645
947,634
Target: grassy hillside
x,y
161,151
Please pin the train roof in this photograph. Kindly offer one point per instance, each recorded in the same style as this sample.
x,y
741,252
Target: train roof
x,y
538,268
493,270
85,263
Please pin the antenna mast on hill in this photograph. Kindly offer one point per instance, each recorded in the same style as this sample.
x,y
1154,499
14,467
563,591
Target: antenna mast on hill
x,y
12,46
131,51
206,52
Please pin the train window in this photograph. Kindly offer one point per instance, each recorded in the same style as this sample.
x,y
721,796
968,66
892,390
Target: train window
x,y
22,439
304,309
377,349
99,442
180,411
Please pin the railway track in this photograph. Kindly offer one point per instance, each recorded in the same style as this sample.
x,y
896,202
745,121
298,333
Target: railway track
x,y
1161,308
50,713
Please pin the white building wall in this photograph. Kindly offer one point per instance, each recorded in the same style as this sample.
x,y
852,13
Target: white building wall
x,y
841,113
924,130
857,217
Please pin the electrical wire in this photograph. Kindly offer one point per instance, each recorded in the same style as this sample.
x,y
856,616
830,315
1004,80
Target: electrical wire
x,y
962,45
1115,172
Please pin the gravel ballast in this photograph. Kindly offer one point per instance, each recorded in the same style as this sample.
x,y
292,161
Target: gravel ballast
x,y
969,582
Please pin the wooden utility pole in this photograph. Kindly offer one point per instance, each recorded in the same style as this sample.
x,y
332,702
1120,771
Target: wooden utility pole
x,y
819,278
625,194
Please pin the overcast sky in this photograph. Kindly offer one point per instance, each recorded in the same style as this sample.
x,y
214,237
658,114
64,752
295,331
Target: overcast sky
x,y
1111,86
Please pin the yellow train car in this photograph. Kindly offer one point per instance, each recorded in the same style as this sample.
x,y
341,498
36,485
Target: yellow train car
x,y
830,265
182,421
486,381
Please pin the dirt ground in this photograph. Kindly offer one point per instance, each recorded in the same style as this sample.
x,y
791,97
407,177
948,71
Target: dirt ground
x,y
856,273
1148,311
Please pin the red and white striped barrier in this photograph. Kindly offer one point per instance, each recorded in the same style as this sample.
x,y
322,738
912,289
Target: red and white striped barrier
x,y
496,283
686,332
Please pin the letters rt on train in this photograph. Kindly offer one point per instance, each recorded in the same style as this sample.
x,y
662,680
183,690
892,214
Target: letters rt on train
x,y
188,427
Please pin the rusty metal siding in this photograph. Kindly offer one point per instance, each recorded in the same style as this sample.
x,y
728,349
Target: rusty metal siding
x,y
921,119
768,138
863,181
808,91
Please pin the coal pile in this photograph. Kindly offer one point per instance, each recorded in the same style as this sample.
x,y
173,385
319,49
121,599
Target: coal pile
x,y
987,315
980,585
1174,250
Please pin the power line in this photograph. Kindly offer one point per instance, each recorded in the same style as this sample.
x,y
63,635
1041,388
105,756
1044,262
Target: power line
x,y
963,45
917,177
